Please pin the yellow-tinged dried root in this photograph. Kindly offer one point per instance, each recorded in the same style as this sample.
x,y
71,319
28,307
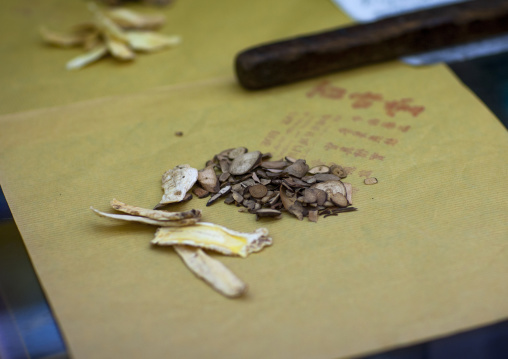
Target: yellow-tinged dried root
x,y
177,182
214,237
118,49
87,58
150,41
129,19
155,214
153,222
216,274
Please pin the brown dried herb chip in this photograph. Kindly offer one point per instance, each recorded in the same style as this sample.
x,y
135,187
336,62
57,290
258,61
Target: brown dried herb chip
x,y
298,169
258,191
243,163
208,179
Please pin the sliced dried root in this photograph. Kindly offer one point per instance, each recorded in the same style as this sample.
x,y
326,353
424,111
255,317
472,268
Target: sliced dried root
x,y
214,237
129,19
154,222
216,274
118,49
155,214
87,58
150,41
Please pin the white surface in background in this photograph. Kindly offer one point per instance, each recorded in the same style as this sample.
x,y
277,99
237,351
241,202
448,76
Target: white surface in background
x,y
491,46
371,10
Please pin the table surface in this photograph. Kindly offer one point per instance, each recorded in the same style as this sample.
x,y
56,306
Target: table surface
x,y
28,329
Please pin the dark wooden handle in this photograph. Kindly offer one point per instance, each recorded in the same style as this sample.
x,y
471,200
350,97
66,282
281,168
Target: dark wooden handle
x,y
317,54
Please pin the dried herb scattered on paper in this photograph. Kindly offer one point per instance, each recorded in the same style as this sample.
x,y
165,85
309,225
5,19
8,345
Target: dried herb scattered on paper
x,y
267,188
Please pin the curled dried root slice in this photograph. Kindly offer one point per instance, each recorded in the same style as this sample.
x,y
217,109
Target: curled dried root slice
x,y
154,214
214,237
154,222
216,274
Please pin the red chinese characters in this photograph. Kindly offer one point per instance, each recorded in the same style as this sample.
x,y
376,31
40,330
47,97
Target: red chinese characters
x,y
391,141
364,173
326,90
330,146
403,105
376,156
347,150
364,99
361,153
267,141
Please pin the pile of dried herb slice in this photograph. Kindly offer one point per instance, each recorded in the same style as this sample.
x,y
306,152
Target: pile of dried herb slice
x,y
119,32
266,188
247,179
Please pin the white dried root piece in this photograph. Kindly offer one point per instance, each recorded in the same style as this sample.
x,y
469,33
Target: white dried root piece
x,y
150,41
213,272
87,58
214,237
153,222
129,19
177,182
155,214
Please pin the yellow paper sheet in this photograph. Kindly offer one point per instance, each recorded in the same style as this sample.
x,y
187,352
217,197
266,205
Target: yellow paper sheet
x,y
424,256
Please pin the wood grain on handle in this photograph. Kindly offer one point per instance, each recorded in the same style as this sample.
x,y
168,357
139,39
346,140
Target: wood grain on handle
x,y
321,53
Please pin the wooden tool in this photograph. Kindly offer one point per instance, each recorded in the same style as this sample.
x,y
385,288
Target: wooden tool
x,y
308,56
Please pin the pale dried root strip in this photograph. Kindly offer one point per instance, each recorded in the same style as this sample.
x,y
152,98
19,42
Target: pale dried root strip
x,y
150,41
155,214
213,272
87,58
130,19
153,222
177,182
214,237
